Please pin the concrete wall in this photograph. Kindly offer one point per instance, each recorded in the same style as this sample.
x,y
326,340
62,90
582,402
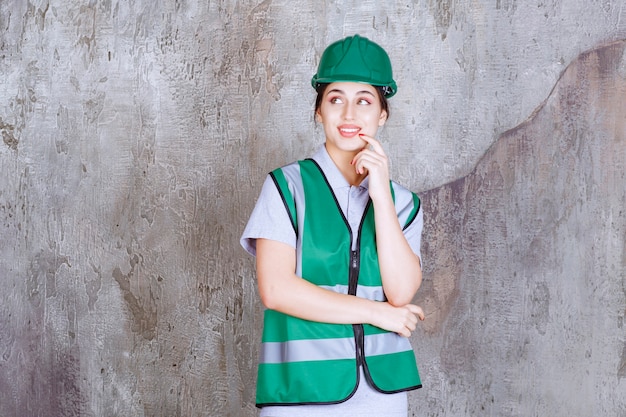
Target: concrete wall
x,y
135,139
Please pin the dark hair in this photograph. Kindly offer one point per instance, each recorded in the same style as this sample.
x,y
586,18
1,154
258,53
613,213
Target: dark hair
x,y
321,89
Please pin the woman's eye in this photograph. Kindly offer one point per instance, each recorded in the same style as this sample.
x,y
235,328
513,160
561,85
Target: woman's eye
x,y
363,101
336,100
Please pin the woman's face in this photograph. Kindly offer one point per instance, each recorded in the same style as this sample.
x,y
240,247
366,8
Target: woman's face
x,y
346,110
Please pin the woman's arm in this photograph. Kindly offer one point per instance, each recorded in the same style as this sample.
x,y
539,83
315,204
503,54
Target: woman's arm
x,y
400,268
282,290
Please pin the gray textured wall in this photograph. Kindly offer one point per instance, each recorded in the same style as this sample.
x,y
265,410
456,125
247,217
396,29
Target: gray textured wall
x,y
135,139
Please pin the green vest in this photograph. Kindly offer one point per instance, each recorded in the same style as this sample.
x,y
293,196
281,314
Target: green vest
x,y
305,362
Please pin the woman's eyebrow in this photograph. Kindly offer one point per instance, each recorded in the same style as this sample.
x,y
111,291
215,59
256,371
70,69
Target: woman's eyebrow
x,y
338,91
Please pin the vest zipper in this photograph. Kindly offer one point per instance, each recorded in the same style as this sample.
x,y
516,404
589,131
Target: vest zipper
x,y
359,336
354,272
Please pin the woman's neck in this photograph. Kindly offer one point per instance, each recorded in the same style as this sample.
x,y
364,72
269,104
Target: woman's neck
x,y
343,162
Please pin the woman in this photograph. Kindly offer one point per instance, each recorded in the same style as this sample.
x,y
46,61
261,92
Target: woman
x,y
338,262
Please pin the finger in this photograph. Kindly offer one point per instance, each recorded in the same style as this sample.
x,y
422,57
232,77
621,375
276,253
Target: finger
x,y
405,332
375,145
369,159
411,325
364,161
417,310
373,150
358,164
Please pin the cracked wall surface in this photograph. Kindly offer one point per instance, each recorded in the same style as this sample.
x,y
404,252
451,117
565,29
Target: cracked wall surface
x,y
526,292
136,136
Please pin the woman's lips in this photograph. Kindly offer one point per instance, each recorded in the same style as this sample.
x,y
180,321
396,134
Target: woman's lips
x,y
349,131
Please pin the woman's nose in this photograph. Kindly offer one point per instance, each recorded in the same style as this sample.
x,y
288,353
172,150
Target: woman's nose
x,y
349,111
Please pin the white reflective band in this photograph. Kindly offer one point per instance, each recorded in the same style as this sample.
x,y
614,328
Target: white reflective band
x,y
308,350
386,343
341,289
371,293
292,174
331,349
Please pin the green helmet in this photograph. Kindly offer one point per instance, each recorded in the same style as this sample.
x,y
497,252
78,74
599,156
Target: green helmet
x,y
356,59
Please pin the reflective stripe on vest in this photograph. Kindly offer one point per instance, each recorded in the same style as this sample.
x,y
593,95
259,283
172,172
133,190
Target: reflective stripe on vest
x,y
304,362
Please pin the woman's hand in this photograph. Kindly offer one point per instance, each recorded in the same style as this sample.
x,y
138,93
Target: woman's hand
x,y
401,320
373,160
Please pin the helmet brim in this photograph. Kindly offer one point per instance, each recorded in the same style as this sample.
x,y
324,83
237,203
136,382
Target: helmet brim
x,y
389,88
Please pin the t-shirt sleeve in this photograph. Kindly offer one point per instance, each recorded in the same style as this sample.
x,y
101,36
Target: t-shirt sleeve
x,y
269,220
413,234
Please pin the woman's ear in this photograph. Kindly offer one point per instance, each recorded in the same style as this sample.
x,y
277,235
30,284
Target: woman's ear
x,y
383,118
318,116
